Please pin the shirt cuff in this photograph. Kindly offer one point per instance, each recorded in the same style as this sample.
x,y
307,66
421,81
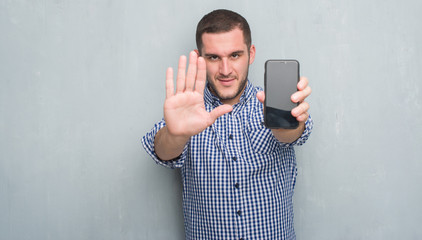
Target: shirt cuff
x,y
309,125
148,144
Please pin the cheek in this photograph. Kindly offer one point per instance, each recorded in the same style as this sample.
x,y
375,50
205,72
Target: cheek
x,y
242,67
211,70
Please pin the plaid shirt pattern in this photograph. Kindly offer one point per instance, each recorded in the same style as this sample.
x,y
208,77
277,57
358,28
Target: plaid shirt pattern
x,y
238,179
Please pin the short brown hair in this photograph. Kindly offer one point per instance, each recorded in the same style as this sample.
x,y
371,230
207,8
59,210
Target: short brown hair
x,y
220,21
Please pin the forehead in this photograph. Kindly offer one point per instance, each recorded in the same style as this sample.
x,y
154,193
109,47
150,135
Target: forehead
x,y
223,43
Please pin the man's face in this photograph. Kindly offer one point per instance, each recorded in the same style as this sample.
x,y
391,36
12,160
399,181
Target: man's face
x,y
228,59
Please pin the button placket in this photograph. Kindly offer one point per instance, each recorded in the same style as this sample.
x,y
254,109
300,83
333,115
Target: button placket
x,y
232,134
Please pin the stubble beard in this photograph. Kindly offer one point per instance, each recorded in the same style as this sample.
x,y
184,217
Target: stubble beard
x,y
239,91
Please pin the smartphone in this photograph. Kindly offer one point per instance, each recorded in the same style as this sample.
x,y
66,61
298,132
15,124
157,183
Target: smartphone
x,y
281,78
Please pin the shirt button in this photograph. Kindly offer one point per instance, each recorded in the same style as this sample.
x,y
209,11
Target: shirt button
x,y
239,213
237,185
230,137
234,158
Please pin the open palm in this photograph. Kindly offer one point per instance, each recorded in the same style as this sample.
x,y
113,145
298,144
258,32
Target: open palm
x,y
184,110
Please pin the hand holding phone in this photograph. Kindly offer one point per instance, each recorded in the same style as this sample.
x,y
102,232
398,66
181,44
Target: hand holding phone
x,y
281,78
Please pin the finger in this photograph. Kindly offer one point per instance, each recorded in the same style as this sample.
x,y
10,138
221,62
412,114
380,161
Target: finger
x,y
192,68
301,95
220,111
261,96
301,109
181,76
303,83
303,117
201,76
169,83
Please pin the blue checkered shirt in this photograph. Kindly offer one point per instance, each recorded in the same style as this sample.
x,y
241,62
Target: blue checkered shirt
x,y
238,179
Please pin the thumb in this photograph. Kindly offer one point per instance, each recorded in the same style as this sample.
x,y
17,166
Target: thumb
x,y
220,111
261,96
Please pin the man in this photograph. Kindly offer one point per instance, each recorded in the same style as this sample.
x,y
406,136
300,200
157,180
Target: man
x,y
238,176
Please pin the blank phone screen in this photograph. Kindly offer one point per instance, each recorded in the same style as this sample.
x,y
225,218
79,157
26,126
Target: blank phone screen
x,y
281,77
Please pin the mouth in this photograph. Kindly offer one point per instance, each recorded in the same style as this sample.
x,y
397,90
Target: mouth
x,y
226,81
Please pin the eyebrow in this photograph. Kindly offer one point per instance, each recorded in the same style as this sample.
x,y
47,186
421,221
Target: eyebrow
x,y
240,52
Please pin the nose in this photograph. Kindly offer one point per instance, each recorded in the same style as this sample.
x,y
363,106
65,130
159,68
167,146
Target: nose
x,y
225,68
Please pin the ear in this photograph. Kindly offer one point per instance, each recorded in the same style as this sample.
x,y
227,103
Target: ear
x,y
252,52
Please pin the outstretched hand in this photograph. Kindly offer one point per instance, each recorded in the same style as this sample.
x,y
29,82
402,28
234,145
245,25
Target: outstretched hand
x,y
300,112
184,109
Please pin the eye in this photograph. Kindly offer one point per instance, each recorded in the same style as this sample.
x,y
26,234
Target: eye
x,y
235,55
213,57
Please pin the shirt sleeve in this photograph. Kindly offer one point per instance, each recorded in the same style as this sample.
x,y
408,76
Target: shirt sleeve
x,y
309,125
148,144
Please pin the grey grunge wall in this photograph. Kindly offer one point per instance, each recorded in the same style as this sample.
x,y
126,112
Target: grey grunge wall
x,y
82,81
